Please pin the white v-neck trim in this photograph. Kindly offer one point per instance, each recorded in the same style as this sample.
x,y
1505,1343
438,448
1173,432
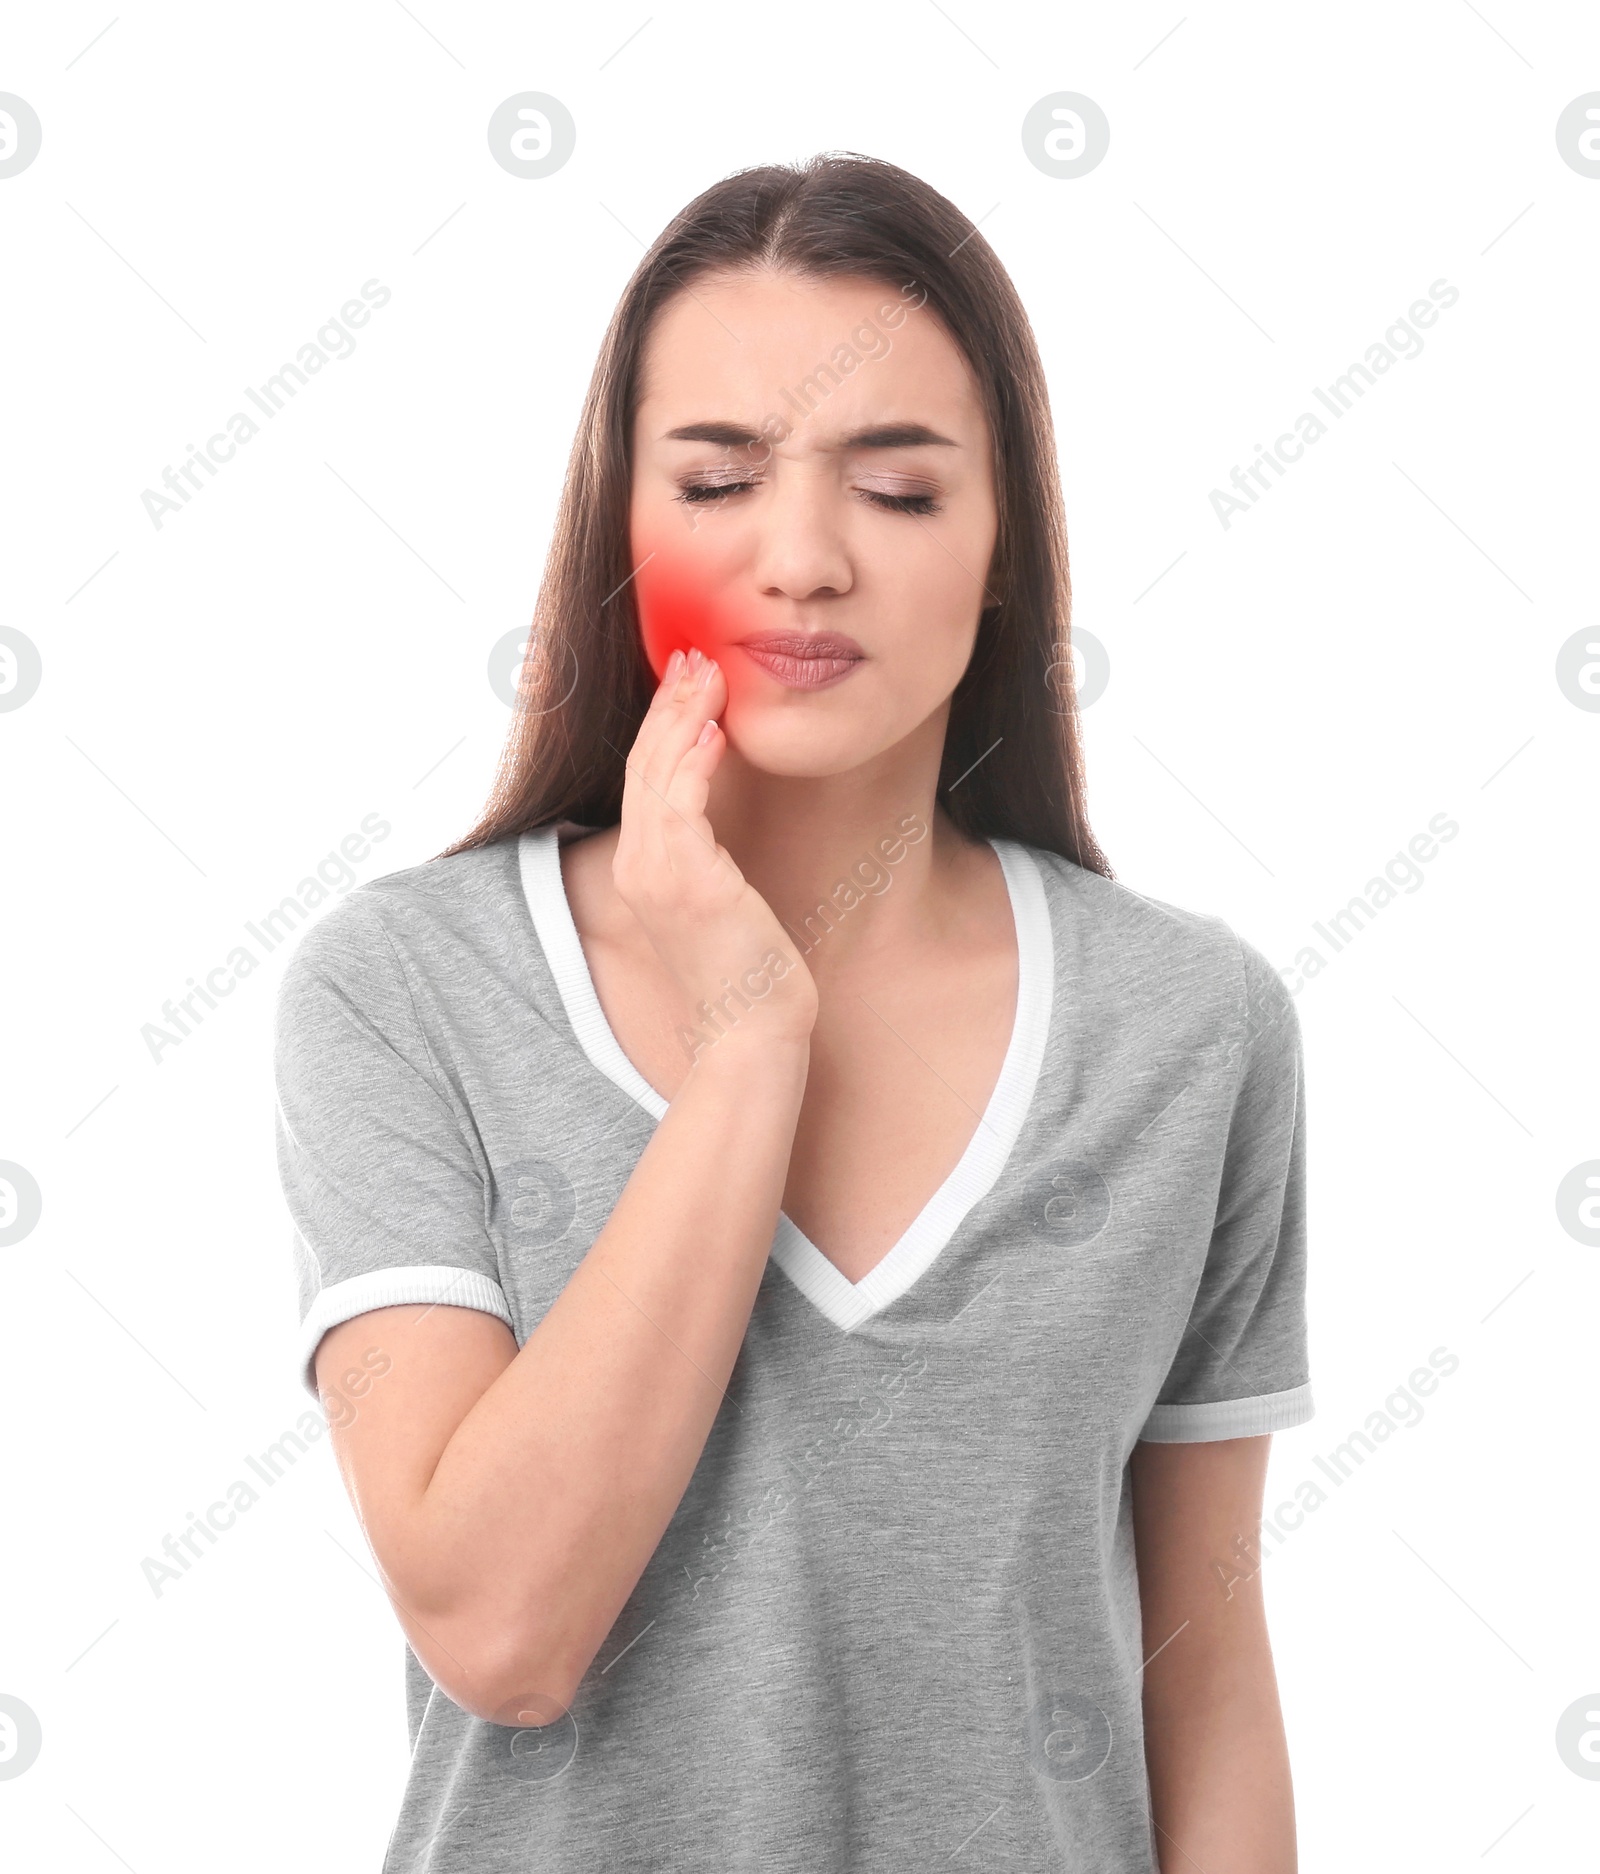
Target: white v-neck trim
x,y
845,1303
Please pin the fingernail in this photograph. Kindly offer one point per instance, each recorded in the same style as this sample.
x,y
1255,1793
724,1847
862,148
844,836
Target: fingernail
x,y
703,676
707,732
696,658
674,667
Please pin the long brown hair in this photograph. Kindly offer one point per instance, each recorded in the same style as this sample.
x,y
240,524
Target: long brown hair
x,y
1012,764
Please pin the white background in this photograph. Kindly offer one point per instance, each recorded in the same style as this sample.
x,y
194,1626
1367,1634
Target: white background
x,y
1291,700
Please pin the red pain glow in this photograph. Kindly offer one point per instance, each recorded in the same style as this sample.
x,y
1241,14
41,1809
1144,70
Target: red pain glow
x,y
678,611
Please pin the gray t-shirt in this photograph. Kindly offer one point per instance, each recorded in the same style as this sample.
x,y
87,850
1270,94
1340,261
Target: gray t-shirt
x,y
894,1621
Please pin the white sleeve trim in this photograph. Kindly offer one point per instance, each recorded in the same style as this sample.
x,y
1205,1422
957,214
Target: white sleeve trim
x,y
1228,1418
389,1288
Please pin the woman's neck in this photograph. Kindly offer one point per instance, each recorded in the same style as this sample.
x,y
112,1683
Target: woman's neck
x,y
852,864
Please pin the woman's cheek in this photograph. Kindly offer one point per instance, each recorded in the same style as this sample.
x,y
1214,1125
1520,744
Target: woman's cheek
x,y
679,610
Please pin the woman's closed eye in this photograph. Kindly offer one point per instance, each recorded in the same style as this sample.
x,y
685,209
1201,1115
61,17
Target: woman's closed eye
x,y
696,494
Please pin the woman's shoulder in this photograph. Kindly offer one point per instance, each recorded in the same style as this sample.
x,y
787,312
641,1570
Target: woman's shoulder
x,y
1116,905
421,912
1162,944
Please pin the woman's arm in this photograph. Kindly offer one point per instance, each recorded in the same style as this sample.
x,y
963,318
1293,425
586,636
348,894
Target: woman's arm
x,y
1219,1765
513,1498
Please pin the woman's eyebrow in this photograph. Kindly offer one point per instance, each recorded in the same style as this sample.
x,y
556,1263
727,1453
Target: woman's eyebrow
x,y
877,436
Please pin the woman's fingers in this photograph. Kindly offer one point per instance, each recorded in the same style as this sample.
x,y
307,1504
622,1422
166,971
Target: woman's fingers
x,y
649,728
699,693
694,746
639,774
683,736
669,769
666,706
696,696
690,787
699,912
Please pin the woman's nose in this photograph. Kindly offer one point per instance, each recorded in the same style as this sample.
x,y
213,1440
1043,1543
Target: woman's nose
x,y
802,551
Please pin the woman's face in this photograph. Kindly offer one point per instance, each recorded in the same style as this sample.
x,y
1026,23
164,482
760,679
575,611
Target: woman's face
x,y
813,505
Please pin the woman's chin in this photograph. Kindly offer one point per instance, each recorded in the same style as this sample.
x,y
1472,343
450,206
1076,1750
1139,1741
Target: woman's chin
x,y
793,750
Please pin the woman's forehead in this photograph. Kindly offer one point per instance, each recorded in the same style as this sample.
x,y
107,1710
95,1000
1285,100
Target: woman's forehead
x,y
734,348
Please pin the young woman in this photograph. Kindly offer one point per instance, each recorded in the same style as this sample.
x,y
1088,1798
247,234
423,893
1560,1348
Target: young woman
x,y
801,1265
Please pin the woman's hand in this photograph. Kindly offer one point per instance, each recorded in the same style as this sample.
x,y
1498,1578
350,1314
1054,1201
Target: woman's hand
x,y
714,933
511,1536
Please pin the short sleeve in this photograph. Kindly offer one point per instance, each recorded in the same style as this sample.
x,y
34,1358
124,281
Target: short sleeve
x,y
1241,1365
384,1190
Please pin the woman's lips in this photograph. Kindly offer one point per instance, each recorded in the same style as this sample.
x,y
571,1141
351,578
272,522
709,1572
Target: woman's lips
x,y
801,662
